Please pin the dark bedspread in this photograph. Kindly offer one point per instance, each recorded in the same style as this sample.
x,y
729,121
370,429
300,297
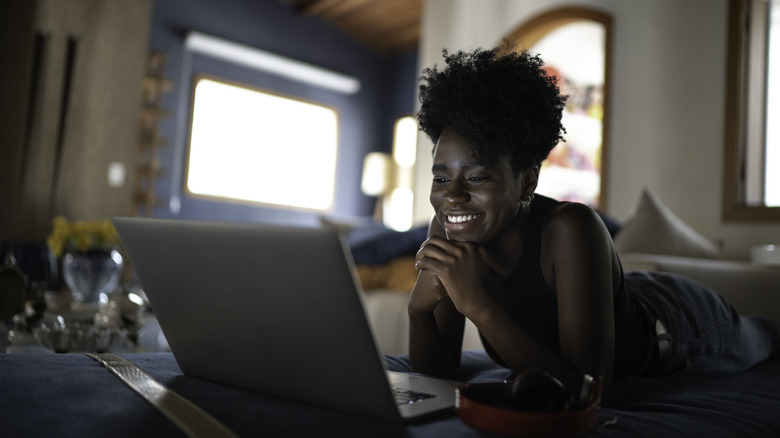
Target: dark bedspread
x,y
72,395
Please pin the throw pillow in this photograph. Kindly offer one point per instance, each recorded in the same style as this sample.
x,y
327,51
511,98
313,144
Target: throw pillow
x,y
377,245
654,229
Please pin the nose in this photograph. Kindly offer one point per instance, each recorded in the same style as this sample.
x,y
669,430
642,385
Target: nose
x,y
456,194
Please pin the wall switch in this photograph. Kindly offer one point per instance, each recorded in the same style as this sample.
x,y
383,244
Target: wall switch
x,y
116,174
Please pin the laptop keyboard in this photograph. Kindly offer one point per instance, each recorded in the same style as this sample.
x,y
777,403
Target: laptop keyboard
x,y
408,397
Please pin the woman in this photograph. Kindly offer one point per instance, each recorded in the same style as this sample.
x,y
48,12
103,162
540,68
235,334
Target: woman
x,y
540,279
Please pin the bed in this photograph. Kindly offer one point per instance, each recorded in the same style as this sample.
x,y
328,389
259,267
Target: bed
x,y
72,395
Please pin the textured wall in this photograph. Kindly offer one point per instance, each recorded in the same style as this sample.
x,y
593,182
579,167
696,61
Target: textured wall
x,y
667,101
76,116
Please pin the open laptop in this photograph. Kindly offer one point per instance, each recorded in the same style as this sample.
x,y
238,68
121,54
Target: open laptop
x,y
274,310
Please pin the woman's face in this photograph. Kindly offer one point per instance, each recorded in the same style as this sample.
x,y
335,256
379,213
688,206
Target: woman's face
x,y
474,201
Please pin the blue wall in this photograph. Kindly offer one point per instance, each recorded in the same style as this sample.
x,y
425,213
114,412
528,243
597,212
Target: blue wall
x,y
388,87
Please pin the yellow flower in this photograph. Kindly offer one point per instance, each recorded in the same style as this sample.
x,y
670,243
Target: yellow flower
x,y
81,235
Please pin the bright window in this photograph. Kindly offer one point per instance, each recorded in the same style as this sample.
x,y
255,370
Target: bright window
x,y
772,161
253,146
752,153
574,42
575,53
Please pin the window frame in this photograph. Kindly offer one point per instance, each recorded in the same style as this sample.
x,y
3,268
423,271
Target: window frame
x,y
734,207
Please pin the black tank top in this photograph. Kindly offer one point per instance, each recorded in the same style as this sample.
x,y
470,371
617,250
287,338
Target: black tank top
x,y
535,306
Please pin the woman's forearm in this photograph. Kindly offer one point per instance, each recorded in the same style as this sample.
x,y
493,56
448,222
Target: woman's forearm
x,y
519,349
428,350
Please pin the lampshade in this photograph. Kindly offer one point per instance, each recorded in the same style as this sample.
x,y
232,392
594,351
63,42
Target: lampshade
x,y
377,174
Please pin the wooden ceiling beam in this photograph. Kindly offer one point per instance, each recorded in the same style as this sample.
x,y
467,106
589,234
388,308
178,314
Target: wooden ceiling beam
x,y
387,26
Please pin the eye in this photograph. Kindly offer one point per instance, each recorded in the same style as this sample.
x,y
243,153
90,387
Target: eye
x,y
439,180
478,178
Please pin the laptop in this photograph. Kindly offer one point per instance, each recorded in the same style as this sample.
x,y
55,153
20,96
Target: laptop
x,y
275,310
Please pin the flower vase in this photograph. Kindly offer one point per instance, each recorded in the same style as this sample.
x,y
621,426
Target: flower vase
x,y
92,273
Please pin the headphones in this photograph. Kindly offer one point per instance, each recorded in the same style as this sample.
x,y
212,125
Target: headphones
x,y
533,403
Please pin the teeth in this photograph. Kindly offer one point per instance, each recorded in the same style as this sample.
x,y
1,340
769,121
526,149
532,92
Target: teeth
x,y
461,219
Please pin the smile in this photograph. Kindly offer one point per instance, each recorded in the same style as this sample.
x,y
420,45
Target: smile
x,y
462,218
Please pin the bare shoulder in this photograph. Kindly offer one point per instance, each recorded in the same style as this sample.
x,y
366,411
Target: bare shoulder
x,y
575,241
578,254
572,220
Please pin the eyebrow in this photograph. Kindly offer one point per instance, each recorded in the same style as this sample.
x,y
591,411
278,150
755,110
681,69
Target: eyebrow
x,y
468,164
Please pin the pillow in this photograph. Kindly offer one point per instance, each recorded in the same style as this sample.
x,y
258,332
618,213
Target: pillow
x,y
376,245
654,229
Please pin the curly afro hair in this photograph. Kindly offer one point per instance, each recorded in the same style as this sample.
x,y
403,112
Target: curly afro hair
x,y
500,100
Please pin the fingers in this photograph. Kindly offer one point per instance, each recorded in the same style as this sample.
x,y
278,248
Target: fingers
x,y
439,248
446,257
427,292
430,281
427,263
434,251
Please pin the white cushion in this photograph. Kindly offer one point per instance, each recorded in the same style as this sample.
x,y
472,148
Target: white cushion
x,y
653,229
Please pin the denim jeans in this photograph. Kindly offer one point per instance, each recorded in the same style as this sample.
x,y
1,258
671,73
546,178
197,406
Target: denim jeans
x,y
705,334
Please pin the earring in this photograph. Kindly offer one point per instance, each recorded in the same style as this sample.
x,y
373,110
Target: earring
x,y
527,202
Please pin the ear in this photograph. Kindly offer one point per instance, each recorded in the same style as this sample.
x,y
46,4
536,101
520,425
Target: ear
x,y
530,180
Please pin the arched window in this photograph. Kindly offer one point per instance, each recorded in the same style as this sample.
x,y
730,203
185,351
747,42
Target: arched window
x,y
574,43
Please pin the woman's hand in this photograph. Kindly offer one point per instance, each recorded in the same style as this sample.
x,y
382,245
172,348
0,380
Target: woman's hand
x,y
435,327
459,271
427,293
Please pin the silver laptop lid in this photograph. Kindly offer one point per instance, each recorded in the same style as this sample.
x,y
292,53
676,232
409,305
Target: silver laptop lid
x,y
272,309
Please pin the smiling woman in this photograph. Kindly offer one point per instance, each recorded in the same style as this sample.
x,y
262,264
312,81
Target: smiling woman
x,y
540,279
247,145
